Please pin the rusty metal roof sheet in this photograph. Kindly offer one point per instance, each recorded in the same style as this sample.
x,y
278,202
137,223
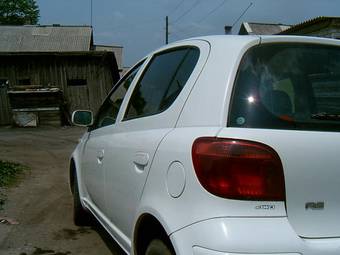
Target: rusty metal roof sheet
x,y
45,38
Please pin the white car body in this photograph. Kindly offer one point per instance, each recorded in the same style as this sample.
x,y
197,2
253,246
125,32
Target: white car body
x,y
142,167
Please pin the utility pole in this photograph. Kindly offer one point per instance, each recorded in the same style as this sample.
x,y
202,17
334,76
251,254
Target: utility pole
x,y
166,30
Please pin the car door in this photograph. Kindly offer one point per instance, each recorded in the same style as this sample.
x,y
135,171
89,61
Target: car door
x,y
150,114
94,157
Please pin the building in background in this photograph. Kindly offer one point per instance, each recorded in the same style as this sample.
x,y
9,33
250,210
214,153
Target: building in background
x,y
117,50
320,26
46,72
252,28
328,27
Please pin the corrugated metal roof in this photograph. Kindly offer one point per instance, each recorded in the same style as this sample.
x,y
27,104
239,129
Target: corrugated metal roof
x,y
263,28
117,50
308,23
45,38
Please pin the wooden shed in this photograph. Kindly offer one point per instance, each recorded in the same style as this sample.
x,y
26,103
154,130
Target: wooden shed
x,y
48,72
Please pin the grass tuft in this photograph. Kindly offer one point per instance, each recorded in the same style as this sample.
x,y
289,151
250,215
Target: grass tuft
x,y
9,172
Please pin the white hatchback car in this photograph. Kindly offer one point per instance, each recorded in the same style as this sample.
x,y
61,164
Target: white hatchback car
x,y
218,145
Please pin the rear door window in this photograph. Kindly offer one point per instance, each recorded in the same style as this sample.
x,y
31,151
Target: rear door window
x,y
288,86
161,83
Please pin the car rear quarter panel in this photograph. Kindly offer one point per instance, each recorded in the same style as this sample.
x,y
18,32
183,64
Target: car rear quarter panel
x,y
204,114
195,203
206,104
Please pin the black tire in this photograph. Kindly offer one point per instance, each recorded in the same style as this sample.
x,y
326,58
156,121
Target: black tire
x,y
159,247
80,215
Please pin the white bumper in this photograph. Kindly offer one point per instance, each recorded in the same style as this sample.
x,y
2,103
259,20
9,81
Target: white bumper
x,y
249,236
203,251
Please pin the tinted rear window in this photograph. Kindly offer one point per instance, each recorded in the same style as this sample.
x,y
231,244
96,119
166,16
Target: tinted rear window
x,y
161,83
288,86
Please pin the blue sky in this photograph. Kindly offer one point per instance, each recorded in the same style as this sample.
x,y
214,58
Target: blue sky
x,y
139,26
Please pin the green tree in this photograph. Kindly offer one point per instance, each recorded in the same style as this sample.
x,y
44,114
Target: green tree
x,y
19,12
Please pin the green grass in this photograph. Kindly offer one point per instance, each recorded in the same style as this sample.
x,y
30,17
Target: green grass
x,y
9,172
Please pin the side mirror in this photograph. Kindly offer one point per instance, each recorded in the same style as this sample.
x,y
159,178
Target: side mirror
x,y
82,118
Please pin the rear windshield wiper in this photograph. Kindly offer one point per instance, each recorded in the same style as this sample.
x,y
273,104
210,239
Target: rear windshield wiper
x,y
325,116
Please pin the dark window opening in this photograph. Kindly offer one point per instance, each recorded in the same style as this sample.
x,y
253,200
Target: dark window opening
x,y
25,81
3,83
76,82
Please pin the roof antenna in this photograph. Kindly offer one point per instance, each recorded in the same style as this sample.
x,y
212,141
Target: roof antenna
x,y
244,12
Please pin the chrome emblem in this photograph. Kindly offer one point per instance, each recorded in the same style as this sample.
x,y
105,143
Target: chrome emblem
x,y
265,207
315,206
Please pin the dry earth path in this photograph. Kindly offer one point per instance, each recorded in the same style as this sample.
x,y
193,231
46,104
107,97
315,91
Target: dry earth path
x,y
41,201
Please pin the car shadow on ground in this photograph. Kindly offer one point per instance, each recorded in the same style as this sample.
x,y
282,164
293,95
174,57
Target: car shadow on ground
x,y
112,245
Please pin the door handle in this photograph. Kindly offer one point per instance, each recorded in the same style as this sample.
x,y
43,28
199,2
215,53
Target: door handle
x,y
100,156
141,159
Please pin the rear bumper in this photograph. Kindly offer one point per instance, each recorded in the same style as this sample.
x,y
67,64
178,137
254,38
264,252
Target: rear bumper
x,y
250,236
203,251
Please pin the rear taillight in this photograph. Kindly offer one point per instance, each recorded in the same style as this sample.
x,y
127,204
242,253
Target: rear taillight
x,y
238,169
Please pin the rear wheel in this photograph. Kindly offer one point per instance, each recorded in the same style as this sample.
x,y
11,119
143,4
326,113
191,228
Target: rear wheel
x,y
158,247
80,215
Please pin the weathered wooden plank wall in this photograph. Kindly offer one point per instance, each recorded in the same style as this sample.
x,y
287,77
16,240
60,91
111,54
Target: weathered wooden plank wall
x,y
5,109
54,70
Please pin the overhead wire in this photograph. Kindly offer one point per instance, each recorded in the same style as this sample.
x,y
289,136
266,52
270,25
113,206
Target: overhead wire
x,y
219,6
186,12
177,37
139,23
207,15
182,31
176,8
213,10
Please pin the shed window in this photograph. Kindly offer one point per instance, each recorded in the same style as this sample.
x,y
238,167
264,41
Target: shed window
x,y
76,82
3,82
24,81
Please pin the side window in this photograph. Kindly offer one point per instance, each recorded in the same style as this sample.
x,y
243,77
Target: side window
x,y
109,110
162,82
24,81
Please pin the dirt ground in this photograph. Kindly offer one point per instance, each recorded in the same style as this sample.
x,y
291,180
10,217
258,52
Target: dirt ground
x,y
41,201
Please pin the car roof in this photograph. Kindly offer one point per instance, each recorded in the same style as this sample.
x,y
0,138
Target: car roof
x,y
245,39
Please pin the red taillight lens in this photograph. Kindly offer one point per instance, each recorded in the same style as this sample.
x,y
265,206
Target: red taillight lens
x,y
238,169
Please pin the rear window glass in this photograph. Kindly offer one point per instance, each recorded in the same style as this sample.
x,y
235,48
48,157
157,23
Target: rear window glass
x,y
288,86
